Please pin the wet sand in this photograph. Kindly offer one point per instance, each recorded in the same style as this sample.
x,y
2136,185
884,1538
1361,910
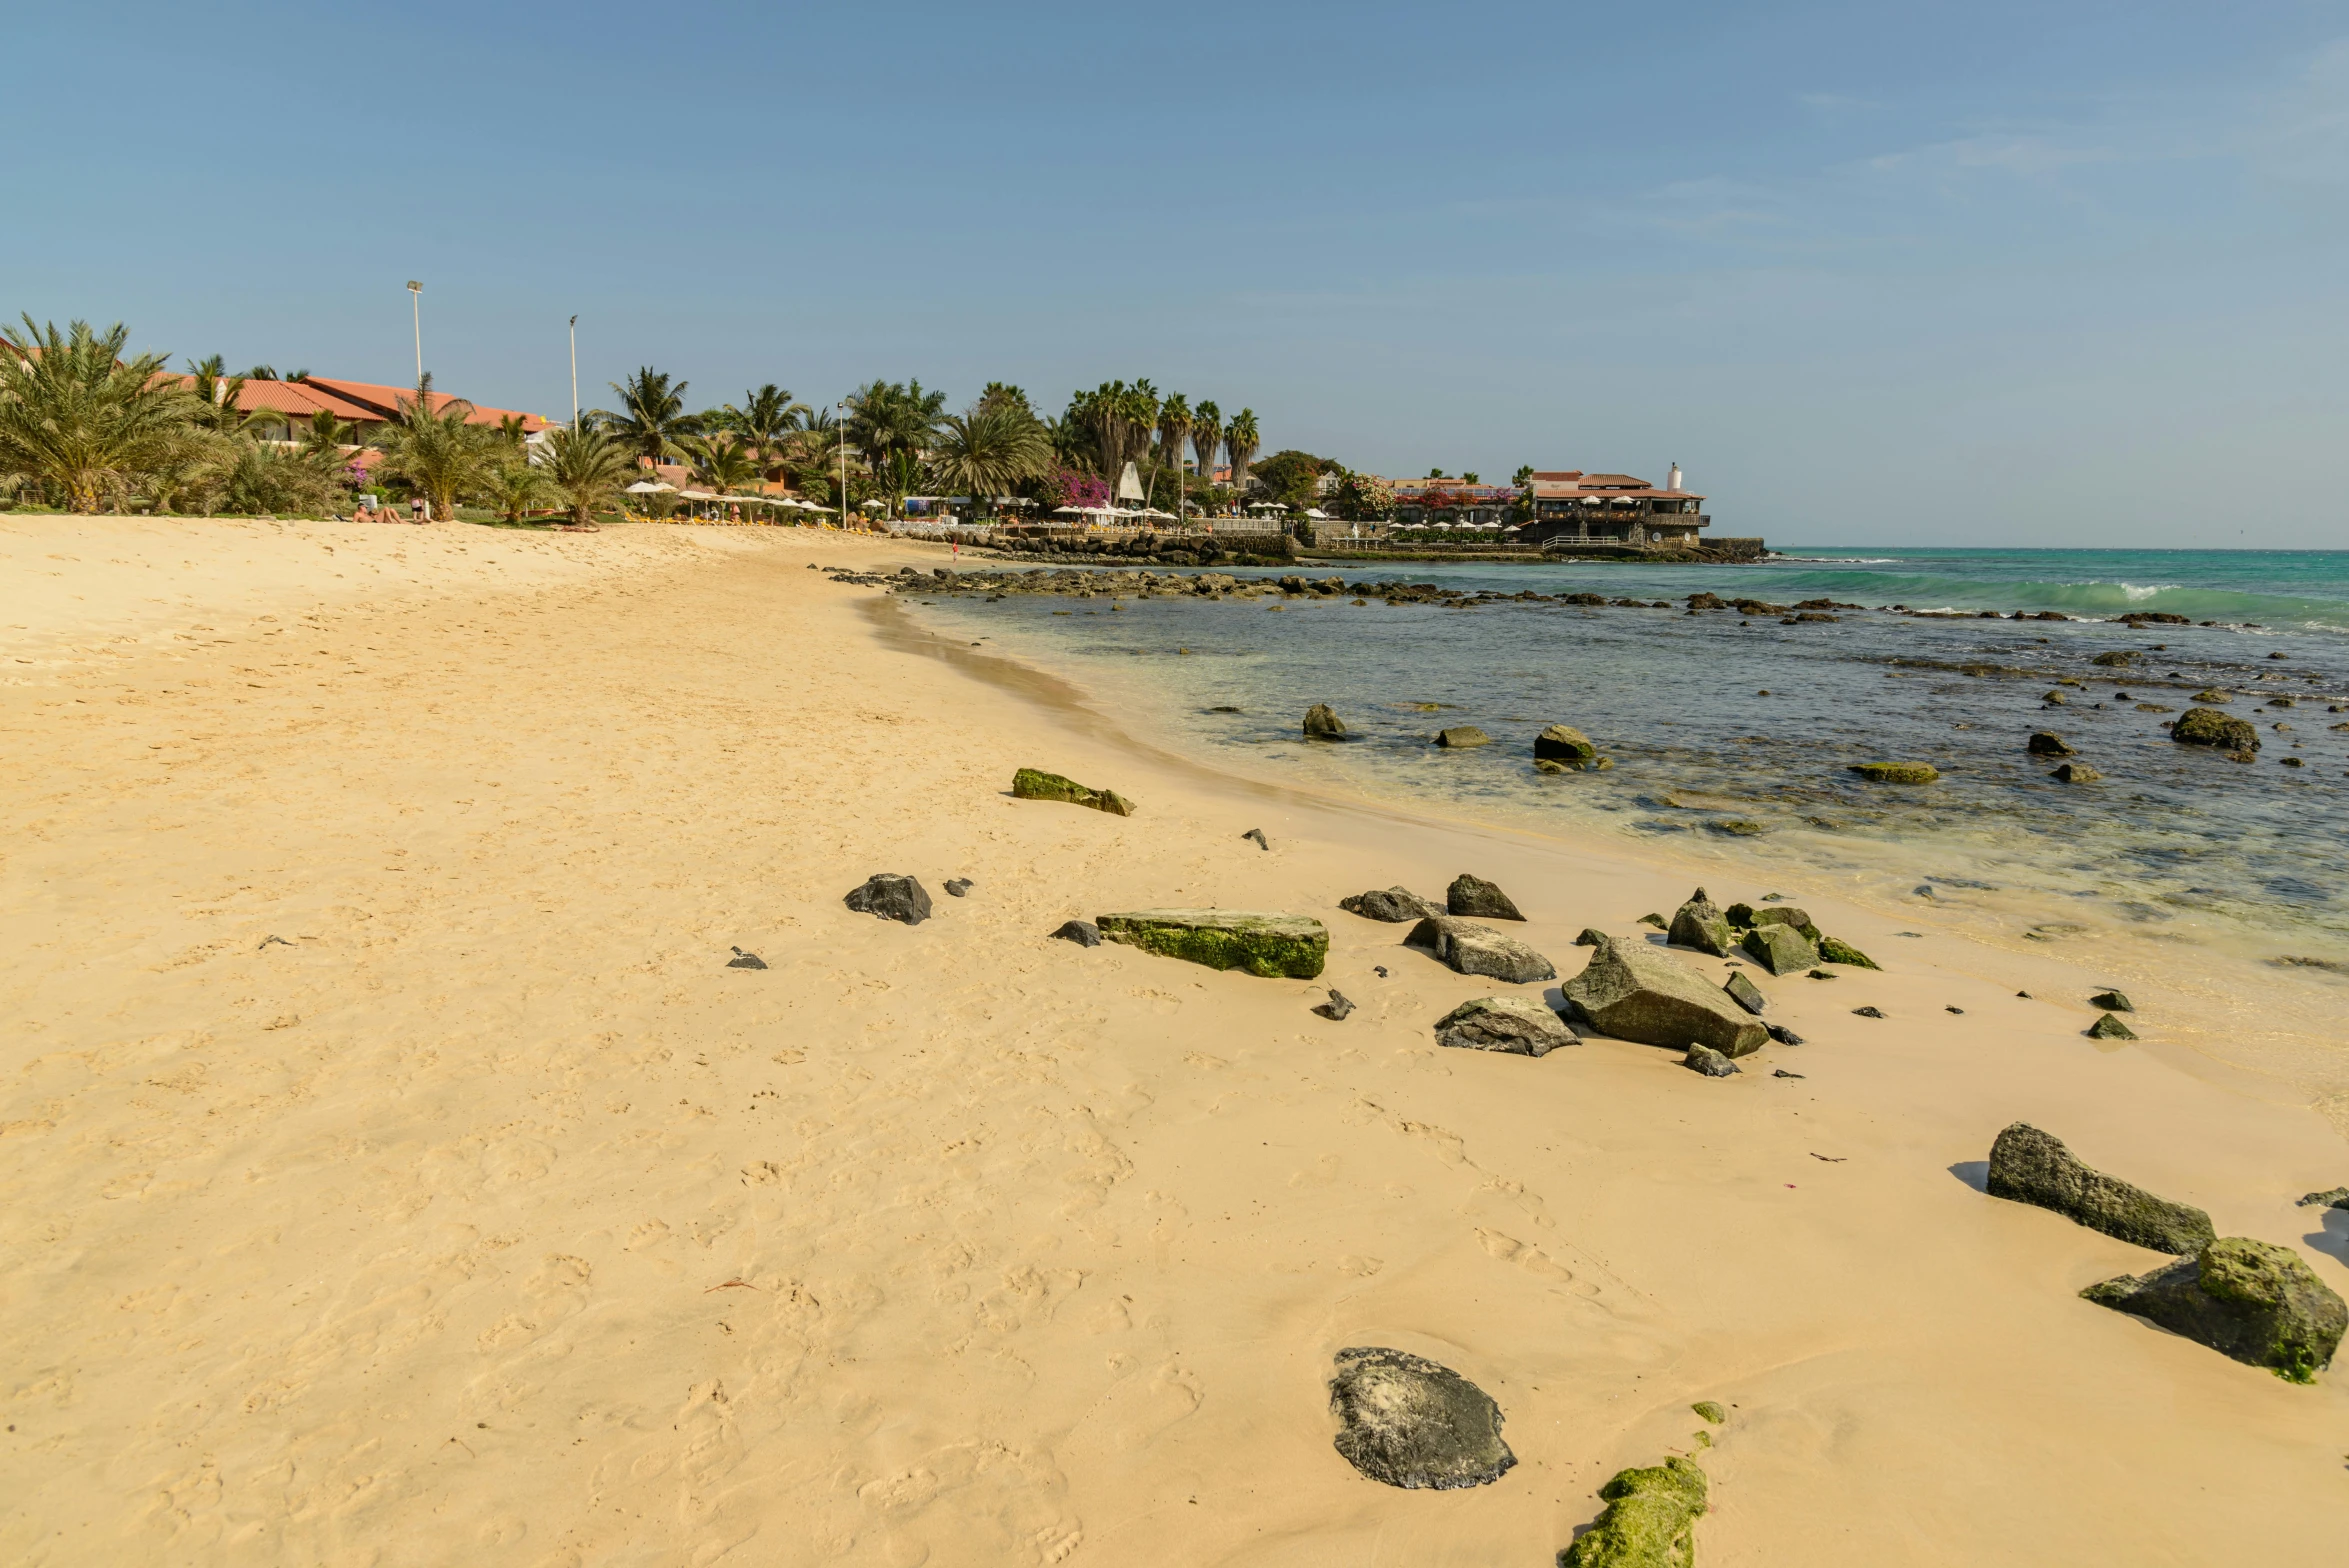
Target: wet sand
x,y
487,1209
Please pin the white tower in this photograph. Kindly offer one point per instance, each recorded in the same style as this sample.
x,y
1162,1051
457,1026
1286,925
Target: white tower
x,y
1674,482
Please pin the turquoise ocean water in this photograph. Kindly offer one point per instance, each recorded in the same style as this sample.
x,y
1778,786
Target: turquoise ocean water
x,y
2176,840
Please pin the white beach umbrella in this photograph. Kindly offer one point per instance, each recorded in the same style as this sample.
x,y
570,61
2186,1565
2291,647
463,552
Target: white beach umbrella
x,y
648,487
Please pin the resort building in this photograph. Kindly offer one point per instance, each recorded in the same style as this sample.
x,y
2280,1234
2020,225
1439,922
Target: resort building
x,y
1570,506
285,405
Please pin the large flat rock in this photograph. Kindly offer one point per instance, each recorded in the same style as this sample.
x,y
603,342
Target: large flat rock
x,y
1632,992
1480,950
1294,946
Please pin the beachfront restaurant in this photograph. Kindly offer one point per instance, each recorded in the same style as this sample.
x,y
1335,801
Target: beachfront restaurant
x,y
1572,506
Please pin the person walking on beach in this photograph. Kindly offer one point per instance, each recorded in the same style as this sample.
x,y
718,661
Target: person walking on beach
x,y
416,512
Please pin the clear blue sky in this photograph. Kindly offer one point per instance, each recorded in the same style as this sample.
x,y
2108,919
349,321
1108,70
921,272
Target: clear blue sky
x,y
1984,272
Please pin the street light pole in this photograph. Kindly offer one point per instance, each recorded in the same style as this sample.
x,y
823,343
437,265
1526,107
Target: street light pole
x,y
842,408
575,375
416,302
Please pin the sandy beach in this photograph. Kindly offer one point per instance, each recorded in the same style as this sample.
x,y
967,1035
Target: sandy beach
x,y
398,1174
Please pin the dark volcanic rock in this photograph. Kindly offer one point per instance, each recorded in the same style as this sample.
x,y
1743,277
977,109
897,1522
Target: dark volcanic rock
x,y
1650,1518
1413,1423
1514,1024
1478,899
1035,784
1480,950
1336,1008
1393,905
2030,1166
1564,743
1082,932
2243,1298
1323,724
2110,1028
2046,743
2209,727
1632,992
890,897
743,960
2337,1198
957,887
1784,1035
2076,773
1258,835
2112,1002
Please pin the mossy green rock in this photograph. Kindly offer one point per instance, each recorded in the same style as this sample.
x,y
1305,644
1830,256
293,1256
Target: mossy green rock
x,y
1834,950
2209,727
1897,772
1649,1522
1781,949
1461,737
2030,1166
1711,1410
1629,991
2110,1028
1293,946
1699,924
1035,784
2243,1298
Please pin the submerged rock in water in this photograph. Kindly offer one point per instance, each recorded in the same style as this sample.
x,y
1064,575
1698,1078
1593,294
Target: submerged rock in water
x,y
2046,743
1415,1423
1897,772
1704,1059
1322,723
1515,1024
2250,1300
1392,905
890,897
2076,773
1478,899
1462,737
1649,1521
1270,945
2110,1028
2209,727
1035,784
1632,992
1566,745
1781,949
1700,925
1480,950
2112,1002
2030,1166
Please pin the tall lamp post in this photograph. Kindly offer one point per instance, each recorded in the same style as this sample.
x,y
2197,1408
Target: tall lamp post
x,y
575,375
416,309
842,421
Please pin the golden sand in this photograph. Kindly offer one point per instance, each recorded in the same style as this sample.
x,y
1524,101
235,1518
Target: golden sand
x,y
397,1174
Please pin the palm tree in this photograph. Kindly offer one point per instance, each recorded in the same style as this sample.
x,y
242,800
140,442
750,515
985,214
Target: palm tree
x,y
990,447
726,465
1239,444
585,468
437,451
79,418
651,421
516,485
893,425
1206,436
764,418
1174,425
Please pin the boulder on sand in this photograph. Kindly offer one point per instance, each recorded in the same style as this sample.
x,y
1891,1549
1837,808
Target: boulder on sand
x,y
1415,1423
1515,1024
1699,924
1746,994
1781,949
1462,737
1704,1059
2251,1300
1649,1522
1480,950
2109,1027
1632,992
2209,727
1834,950
1035,784
2030,1166
1322,723
1394,905
1478,899
890,897
1564,743
1293,946
1082,932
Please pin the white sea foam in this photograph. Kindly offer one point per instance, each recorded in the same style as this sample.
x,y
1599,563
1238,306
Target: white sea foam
x,y
2132,592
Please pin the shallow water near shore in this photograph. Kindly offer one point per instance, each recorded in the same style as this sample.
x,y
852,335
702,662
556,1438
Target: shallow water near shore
x,y
1736,732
